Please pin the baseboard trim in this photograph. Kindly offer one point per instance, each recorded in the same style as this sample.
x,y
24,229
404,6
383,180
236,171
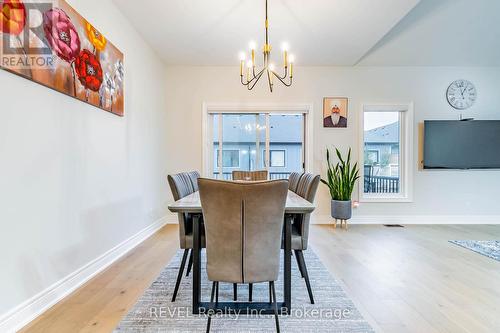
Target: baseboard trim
x,y
413,219
27,311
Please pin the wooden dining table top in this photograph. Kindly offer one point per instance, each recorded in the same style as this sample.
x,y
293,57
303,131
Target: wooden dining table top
x,y
295,204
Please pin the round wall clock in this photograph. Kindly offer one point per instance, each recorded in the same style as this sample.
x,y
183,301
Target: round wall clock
x,y
461,94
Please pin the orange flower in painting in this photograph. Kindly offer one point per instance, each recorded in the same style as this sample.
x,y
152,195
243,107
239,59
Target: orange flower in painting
x,y
95,37
13,17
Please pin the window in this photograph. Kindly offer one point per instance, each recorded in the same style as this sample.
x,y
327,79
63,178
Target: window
x,y
272,141
371,157
277,158
230,158
387,138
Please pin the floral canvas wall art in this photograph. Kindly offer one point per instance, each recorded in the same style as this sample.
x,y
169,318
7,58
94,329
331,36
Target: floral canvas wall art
x,y
49,43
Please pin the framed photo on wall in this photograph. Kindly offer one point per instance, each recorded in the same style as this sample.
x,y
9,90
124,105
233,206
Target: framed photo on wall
x,y
335,112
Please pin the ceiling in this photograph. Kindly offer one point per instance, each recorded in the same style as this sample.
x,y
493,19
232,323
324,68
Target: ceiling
x,y
322,32
442,33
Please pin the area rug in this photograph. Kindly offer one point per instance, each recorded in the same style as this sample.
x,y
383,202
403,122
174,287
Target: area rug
x,y
489,248
333,311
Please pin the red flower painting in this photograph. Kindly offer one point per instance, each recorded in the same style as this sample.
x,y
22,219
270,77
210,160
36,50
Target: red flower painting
x,y
70,55
89,70
13,16
61,34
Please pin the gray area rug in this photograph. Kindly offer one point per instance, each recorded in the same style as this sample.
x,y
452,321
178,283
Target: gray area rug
x,y
489,248
333,311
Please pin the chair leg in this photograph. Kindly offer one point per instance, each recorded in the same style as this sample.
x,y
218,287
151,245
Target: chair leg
x,y
275,306
179,275
214,284
298,263
300,257
270,294
190,262
217,294
235,292
250,291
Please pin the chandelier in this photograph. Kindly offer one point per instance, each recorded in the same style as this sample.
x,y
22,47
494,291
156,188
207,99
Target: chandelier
x,y
253,75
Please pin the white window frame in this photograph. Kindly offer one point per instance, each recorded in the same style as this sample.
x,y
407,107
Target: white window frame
x,y
255,108
405,153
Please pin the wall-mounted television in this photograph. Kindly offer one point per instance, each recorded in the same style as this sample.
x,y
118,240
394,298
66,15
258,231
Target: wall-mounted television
x,y
454,144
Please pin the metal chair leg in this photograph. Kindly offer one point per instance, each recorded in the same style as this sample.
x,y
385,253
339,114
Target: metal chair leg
x,y
250,291
300,258
211,302
298,264
270,294
190,262
217,294
179,275
275,306
235,291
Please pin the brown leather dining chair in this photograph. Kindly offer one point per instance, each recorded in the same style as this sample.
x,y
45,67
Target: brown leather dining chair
x,y
181,185
250,175
243,226
306,188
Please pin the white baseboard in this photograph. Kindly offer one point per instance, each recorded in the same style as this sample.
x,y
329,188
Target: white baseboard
x,y
25,312
413,219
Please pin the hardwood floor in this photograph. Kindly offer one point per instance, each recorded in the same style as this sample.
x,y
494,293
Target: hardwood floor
x,y
402,279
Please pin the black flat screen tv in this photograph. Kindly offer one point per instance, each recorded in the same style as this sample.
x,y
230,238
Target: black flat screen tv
x,y
453,144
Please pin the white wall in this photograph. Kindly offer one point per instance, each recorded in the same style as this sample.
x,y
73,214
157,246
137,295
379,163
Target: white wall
x,y
453,195
75,180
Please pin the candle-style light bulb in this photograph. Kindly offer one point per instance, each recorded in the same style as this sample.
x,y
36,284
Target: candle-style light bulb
x,y
242,62
252,46
292,60
249,68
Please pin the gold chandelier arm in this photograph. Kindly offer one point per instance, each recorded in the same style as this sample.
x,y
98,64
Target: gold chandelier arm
x,y
282,79
270,74
284,75
257,78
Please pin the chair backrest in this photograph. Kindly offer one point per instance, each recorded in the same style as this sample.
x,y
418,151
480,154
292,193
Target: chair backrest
x,y
243,227
293,181
250,175
194,175
181,186
307,188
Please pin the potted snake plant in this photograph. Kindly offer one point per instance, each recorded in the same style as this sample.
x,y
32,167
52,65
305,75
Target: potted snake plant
x,y
341,179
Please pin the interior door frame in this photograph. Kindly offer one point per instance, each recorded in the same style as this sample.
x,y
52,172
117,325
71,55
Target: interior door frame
x,y
254,108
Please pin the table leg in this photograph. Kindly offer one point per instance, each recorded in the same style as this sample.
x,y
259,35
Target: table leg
x,y
196,264
288,263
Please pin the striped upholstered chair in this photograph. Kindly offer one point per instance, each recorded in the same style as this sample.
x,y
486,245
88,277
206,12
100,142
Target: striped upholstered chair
x,y
182,184
250,175
306,188
293,181
194,175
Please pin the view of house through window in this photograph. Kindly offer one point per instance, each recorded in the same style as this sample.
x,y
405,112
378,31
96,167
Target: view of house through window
x,y
246,141
381,152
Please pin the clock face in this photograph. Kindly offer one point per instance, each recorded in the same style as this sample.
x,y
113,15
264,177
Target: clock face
x,y
461,94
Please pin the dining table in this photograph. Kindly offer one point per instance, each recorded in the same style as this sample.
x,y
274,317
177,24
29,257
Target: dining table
x,y
191,204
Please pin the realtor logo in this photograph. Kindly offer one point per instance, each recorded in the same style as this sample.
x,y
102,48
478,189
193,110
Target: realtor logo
x,y
23,44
